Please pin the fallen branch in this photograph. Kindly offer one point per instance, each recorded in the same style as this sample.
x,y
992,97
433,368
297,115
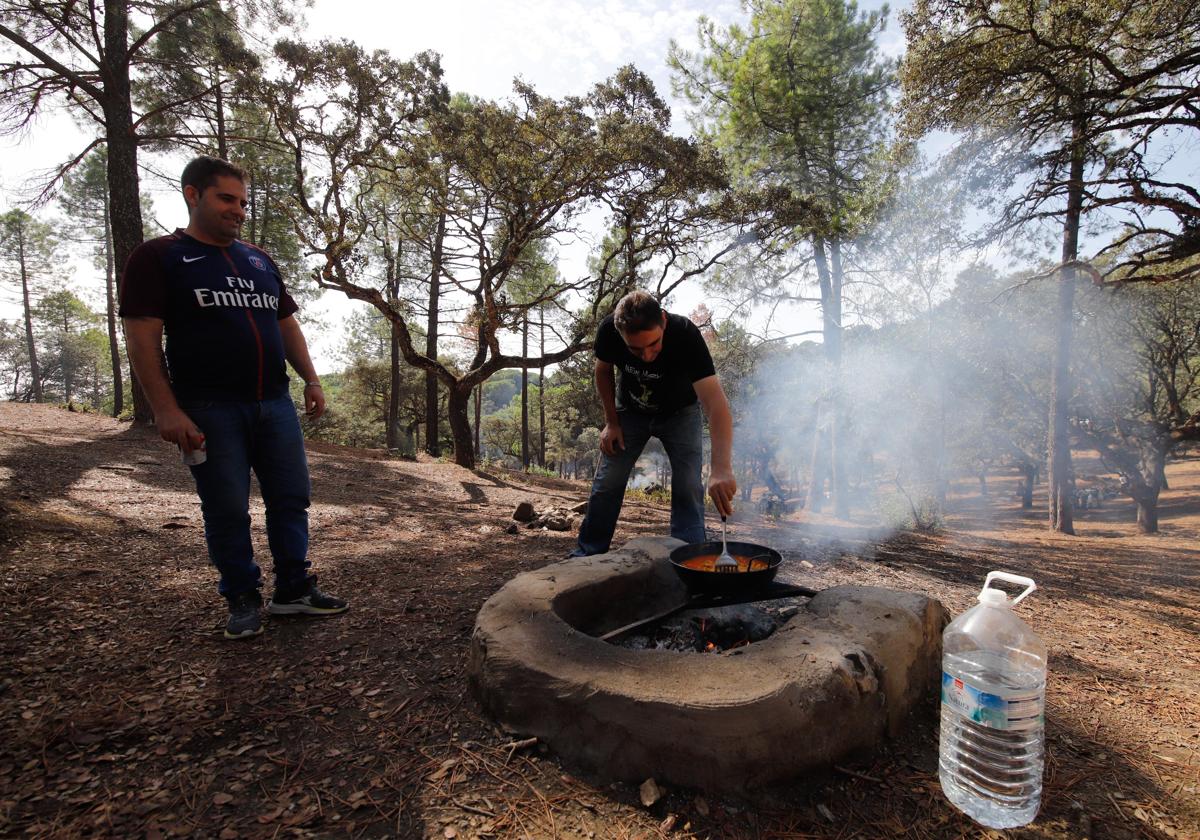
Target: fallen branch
x,y
472,809
857,775
513,746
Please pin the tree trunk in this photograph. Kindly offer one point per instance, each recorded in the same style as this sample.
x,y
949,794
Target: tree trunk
x,y
1146,498
1145,489
30,347
219,97
525,393
252,210
432,445
460,425
542,393
110,308
478,415
816,481
839,437
393,418
832,340
264,215
1059,477
121,136
1030,471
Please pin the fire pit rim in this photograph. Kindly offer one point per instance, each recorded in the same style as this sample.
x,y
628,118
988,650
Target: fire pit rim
x,y
635,713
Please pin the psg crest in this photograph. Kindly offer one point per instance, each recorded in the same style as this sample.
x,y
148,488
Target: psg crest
x,y
257,262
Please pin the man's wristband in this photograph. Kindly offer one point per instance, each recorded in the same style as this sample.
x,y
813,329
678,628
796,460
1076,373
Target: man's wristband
x,y
311,384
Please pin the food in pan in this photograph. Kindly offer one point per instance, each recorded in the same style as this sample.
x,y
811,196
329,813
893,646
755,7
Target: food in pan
x,y
708,562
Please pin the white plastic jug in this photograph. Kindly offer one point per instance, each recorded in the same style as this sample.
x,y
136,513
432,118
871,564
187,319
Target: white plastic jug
x,y
993,699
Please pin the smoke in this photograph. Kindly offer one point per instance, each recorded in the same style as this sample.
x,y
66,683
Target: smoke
x,y
912,415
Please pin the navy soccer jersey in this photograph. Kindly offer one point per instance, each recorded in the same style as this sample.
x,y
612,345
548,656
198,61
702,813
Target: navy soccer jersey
x,y
220,308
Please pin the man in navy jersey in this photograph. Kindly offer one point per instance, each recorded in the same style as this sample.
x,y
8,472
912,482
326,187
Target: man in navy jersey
x,y
221,391
667,375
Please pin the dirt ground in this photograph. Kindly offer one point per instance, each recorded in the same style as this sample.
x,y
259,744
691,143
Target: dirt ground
x,y
124,713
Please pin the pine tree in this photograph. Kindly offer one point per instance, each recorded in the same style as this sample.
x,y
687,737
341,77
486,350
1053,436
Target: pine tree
x,y
798,102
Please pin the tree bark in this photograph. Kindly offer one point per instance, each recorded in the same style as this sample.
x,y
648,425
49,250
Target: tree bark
x,y
30,346
124,199
460,424
542,392
1030,472
110,308
1059,475
393,418
1146,487
432,444
839,437
265,218
831,318
252,210
816,483
525,393
219,97
478,415
1145,496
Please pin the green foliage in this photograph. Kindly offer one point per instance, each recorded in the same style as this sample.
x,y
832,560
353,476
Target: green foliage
x,y
919,513
84,201
797,101
190,84
359,397
14,362
1032,84
654,495
72,349
500,390
29,250
502,179
1139,368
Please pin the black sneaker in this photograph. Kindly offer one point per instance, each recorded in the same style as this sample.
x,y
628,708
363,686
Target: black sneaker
x,y
245,617
311,602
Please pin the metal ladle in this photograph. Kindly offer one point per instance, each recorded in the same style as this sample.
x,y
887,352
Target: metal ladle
x,y
725,562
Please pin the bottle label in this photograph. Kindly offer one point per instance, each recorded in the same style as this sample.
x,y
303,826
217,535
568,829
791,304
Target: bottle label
x,y
1018,711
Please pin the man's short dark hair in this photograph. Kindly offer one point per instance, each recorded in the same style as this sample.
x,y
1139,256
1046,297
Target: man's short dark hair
x,y
636,312
202,172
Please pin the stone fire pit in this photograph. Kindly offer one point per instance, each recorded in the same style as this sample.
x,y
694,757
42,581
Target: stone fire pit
x,y
832,681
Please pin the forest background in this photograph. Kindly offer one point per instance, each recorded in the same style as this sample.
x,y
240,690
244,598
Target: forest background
x,y
915,260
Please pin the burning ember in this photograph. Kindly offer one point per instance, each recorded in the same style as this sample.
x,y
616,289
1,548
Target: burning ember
x,y
718,630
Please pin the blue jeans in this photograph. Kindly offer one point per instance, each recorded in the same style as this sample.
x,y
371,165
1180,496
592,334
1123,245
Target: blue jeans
x,y
264,437
681,435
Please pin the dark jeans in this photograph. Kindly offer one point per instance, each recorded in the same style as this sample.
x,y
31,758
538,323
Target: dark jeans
x,y
681,434
264,437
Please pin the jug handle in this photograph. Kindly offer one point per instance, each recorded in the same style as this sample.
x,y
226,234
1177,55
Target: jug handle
x,y
1011,578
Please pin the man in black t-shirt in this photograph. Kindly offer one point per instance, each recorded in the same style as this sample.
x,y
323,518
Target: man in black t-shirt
x,y
667,375
221,392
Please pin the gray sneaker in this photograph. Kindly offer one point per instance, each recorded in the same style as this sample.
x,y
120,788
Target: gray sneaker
x,y
245,616
310,601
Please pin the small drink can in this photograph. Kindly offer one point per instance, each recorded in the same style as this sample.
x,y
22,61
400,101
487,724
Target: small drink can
x,y
196,456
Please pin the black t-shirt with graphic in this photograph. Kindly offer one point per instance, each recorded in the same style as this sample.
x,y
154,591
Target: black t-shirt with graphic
x,y
220,308
663,386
